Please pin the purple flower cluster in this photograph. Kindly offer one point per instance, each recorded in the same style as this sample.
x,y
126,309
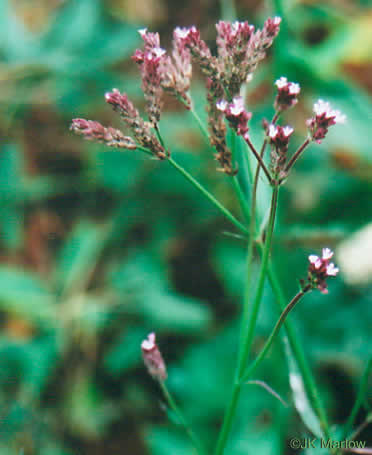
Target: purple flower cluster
x,y
236,114
140,129
320,269
287,94
94,131
324,118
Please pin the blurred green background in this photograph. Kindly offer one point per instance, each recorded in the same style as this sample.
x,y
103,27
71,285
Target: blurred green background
x,y
99,247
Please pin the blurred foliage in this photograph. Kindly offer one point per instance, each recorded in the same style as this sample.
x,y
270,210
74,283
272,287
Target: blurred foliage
x,y
100,247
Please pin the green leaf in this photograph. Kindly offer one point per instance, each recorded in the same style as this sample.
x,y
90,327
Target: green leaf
x,y
168,310
166,441
78,257
300,398
23,294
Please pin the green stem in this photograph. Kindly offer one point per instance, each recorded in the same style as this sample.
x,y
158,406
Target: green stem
x,y
260,286
235,181
202,128
206,193
143,149
275,332
247,340
200,124
299,355
241,197
359,399
175,408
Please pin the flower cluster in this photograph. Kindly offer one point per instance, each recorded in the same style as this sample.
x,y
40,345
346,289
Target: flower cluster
x,y
320,269
131,117
94,131
177,71
240,49
279,137
287,94
159,71
324,118
150,62
153,359
236,114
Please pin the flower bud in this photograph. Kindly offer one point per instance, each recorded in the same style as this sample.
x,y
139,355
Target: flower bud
x,y
153,359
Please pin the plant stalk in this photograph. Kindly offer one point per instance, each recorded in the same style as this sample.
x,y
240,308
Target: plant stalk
x,y
245,346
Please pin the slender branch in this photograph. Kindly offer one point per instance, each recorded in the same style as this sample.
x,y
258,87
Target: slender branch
x,y
247,341
206,193
143,149
361,427
258,157
299,355
252,226
275,331
181,418
261,281
269,389
236,183
242,198
202,128
295,157
359,399
191,109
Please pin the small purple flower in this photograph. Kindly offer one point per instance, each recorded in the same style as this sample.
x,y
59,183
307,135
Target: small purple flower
x,y
236,114
323,119
280,135
320,269
232,39
153,359
287,94
272,26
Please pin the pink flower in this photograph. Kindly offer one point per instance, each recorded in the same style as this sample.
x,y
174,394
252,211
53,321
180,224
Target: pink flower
x,y
272,26
287,94
236,114
150,62
320,269
153,359
232,39
324,118
279,135
176,70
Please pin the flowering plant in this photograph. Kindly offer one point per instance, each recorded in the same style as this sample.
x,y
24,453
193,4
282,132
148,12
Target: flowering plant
x,y
240,48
